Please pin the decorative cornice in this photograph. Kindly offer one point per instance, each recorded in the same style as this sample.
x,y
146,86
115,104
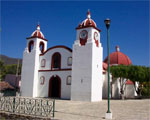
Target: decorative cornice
x,y
88,27
59,46
66,69
37,37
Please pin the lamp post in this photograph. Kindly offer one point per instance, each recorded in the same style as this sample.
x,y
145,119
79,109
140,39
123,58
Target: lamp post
x,y
108,113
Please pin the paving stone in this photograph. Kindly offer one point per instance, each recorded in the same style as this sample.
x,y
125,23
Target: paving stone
x,y
121,110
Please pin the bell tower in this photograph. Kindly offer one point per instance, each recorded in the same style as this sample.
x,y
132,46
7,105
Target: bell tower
x,y
36,44
87,62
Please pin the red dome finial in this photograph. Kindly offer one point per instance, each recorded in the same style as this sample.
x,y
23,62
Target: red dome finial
x,y
37,32
38,26
88,14
88,22
117,48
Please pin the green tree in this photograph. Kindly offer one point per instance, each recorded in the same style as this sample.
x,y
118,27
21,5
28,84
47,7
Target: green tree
x,y
120,72
140,74
12,69
2,71
8,69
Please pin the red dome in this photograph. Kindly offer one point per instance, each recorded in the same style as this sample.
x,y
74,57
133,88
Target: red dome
x,y
37,33
117,58
88,22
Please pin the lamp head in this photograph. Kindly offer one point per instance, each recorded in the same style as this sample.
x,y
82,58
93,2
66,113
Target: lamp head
x,y
107,22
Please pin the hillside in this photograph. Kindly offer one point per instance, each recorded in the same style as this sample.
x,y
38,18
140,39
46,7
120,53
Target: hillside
x,y
8,60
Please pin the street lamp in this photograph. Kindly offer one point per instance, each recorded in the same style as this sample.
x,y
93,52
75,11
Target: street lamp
x,y
108,113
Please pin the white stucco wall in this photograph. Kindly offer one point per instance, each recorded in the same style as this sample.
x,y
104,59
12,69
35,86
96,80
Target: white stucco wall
x,y
29,79
65,89
65,54
47,72
97,78
81,73
27,74
115,88
105,86
87,69
129,91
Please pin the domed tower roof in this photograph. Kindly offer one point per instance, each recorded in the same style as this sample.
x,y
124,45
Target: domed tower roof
x,y
37,33
88,22
117,58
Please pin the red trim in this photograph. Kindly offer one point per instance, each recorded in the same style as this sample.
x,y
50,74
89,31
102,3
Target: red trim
x,y
50,85
59,46
43,60
52,61
87,27
96,41
67,69
30,44
43,46
37,37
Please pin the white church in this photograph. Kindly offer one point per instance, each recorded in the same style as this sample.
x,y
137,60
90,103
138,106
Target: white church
x,y
79,74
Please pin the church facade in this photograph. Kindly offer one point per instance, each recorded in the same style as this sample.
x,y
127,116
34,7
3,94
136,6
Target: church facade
x,y
61,72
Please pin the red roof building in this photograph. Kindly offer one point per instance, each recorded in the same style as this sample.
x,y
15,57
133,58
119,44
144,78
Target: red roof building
x,y
118,58
5,85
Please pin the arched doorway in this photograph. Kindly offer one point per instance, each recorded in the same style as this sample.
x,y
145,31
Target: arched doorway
x,y
55,87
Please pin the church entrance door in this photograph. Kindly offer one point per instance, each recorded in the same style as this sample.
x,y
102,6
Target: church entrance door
x,y
55,87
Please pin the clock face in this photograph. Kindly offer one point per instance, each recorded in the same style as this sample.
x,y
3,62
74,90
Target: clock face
x,y
83,34
96,37
83,37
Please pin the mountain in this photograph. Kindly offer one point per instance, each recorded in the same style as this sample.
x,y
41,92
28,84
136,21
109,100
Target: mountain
x,y
8,60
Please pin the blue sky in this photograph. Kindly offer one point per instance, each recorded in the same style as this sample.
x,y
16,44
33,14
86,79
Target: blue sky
x,y
129,25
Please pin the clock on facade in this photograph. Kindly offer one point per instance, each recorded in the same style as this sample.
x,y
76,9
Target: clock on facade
x,y
96,38
83,37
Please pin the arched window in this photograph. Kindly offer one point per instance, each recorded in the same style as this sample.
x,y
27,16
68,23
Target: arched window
x,y
56,61
30,46
68,80
41,47
43,62
42,80
69,61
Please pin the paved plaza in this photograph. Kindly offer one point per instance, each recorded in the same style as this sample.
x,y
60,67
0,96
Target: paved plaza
x,y
138,109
